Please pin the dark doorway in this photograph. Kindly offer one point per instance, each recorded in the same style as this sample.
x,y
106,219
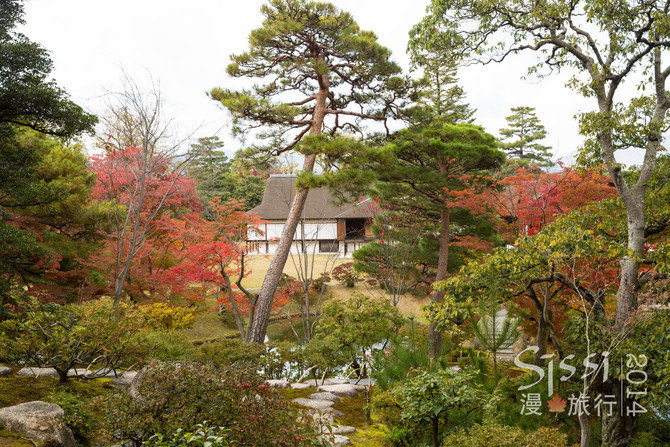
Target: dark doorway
x,y
355,229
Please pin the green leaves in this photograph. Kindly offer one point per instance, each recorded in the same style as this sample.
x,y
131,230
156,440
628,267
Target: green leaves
x,y
300,57
427,396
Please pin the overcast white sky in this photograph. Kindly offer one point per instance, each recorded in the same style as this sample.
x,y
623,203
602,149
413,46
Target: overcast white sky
x,y
186,45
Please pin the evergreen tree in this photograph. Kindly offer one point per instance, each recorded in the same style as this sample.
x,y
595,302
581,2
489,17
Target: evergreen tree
x,y
317,72
436,167
210,169
28,99
521,138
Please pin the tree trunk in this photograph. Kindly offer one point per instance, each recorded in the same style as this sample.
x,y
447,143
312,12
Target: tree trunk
x,y
584,429
435,336
617,429
266,295
436,441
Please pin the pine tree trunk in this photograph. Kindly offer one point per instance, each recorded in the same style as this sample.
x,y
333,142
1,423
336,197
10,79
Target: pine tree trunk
x,y
266,296
435,336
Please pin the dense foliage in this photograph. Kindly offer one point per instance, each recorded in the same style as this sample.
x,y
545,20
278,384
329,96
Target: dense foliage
x,y
182,395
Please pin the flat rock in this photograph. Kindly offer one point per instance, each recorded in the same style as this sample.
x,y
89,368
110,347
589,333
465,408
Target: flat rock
x,y
40,421
76,372
334,381
124,380
340,441
278,383
300,386
312,403
5,371
361,382
105,372
324,396
343,390
31,371
336,440
328,381
343,430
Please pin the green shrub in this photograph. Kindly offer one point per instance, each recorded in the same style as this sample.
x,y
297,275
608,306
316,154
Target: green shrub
x,y
181,395
493,435
78,415
401,436
63,337
167,346
228,351
202,436
434,399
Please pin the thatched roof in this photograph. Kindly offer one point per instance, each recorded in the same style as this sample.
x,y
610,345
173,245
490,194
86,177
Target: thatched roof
x,y
320,204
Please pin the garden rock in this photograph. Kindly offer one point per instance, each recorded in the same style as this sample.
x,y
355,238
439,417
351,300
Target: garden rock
x,y
343,430
124,380
40,421
361,382
312,403
4,371
105,372
336,440
333,381
76,372
300,386
30,371
340,440
343,390
324,396
135,382
328,381
278,383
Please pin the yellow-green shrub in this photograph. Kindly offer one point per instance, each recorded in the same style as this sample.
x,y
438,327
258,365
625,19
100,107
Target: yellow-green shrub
x,y
164,316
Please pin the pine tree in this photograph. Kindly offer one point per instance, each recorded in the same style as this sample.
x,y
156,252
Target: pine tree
x,y
436,168
316,72
521,138
210,168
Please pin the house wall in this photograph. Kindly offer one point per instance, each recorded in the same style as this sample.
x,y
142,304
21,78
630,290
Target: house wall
x,y
267,241
322,230
270,248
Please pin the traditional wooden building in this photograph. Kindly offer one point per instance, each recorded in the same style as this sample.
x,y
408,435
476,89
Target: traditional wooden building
x,y
326,226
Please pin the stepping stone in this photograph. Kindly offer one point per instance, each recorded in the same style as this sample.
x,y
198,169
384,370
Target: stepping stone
x,y
124,379
343,430
363,382
300,386
278,383
311,403
30,371
324,396
333,381
76,372
105,372
340,390
4,371
339,441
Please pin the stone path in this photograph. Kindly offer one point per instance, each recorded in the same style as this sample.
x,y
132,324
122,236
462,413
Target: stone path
x,y
320,405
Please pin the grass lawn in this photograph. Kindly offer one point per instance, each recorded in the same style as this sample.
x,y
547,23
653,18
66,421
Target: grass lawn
x,y
409,305
209,326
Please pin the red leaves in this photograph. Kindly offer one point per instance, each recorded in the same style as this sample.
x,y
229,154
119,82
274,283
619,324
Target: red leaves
x,y
530,198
